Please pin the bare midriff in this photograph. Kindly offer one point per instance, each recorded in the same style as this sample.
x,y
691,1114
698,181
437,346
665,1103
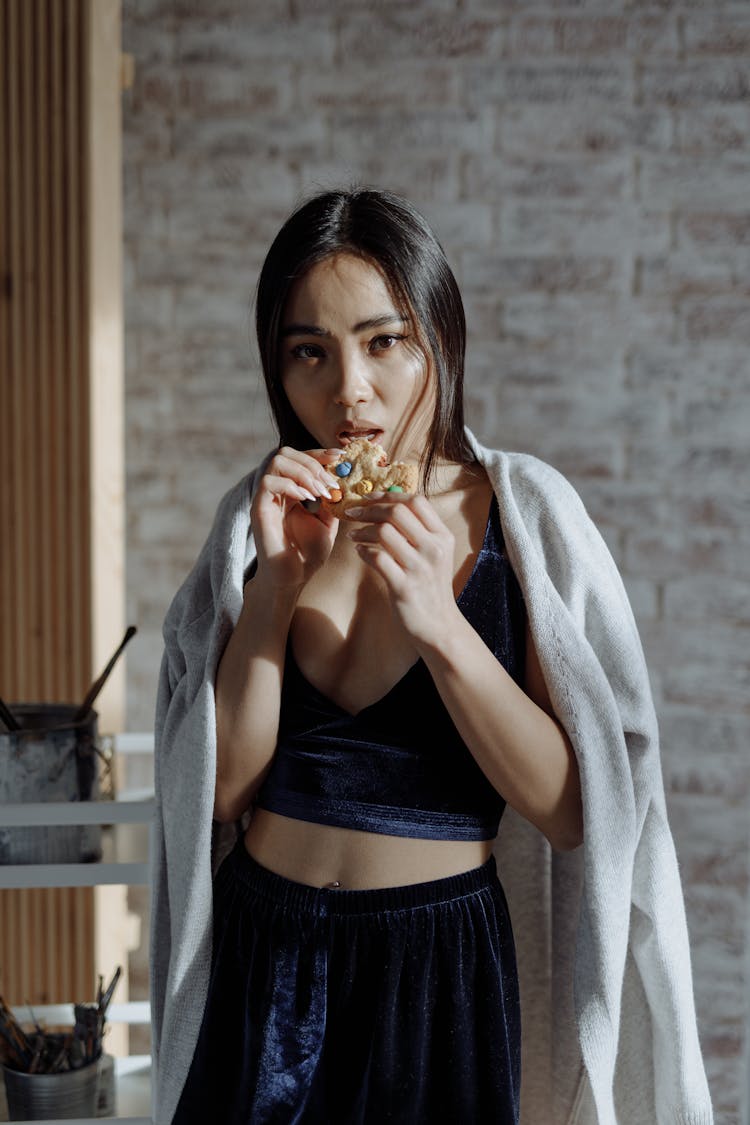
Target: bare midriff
x,y
321,855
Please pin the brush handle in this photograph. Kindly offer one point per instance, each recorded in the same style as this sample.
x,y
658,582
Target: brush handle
x,y
8,718
97,685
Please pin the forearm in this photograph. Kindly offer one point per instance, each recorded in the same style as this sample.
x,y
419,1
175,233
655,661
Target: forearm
x,y
248,695
523,750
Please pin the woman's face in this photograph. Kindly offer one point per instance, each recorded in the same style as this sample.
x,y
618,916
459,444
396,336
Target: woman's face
x,y
350,361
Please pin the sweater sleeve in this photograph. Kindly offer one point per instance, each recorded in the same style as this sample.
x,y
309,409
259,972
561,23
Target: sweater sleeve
x,y
631,906
196,628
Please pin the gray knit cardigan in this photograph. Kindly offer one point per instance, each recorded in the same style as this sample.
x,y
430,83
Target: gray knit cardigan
x,y
609,1026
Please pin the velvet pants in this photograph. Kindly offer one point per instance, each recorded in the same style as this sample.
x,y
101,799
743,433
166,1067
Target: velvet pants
x,y
357,1007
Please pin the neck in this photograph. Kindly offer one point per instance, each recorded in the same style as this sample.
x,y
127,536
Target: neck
x,y
452,476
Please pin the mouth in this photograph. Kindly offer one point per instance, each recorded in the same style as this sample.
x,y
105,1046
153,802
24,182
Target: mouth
x,y
354,432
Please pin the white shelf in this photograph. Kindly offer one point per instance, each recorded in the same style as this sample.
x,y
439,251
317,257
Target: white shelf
x,y
54,813
133,1073
131,1011
14,875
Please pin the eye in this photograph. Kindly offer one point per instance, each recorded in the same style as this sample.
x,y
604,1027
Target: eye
x,y
384,343
307,351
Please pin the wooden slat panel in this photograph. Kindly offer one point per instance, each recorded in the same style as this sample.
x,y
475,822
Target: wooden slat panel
x,y
47,935
6,454
46,653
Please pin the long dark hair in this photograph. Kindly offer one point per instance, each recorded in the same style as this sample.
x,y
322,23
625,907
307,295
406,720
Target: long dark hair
x,y
387,230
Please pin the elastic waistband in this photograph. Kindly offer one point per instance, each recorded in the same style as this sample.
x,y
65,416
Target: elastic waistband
x,y
300,896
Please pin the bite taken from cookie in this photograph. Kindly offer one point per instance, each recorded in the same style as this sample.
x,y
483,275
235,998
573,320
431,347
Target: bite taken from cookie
x,y
364,468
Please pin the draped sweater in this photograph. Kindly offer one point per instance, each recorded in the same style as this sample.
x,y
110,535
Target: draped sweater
x,y
609,1033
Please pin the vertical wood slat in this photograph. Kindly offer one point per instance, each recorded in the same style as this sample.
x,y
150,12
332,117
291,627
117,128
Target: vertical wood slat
x,y
45,550
47,936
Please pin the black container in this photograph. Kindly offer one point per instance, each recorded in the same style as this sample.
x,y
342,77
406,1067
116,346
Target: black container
x,y
51,758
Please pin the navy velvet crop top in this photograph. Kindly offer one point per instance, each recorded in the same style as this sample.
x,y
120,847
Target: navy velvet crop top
x,y
399,766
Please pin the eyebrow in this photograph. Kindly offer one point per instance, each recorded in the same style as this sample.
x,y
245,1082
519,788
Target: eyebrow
x,y
361,326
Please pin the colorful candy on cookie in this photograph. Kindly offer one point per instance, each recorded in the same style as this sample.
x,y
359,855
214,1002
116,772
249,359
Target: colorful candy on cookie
x,y
363,468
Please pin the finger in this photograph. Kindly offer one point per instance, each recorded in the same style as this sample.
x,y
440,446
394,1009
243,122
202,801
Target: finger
x,y
280,488
383,564
326,516
397,509
390,539
405,519
299,467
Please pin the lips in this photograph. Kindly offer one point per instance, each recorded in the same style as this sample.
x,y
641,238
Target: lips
x,y
359,429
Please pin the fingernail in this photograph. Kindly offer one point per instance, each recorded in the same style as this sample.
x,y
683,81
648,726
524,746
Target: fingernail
x,y
334,452
322,490
377,495
308,495
354,512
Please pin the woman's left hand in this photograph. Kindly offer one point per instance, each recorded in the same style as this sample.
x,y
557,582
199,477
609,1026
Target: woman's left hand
x,y
404,541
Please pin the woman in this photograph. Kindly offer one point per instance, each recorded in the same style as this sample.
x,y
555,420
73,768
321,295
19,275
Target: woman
x,y
375,690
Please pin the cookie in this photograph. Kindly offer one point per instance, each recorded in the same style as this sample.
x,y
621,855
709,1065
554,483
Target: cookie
x,y
364,468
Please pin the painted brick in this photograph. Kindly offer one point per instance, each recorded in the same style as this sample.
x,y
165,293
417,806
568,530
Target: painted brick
x,y
549,274
593,328
643,595
302,8
384,84
718,319
728,510
712,856
706,664
701,598
595,33
685,274
575,128
709,416
221,10
599,228
413,131
697,231
244,39
599,456
718,129
149,307
249,139
532,35
627,504
689,463
543,82
592,34
690,82
718,738
695,184
226,179
422,177
717,33
718,922
152,142
150,39
541,177
665,553
481,408
420,32
463,224
518,369
674,366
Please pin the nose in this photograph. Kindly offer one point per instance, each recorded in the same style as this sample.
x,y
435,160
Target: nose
x,y
352,384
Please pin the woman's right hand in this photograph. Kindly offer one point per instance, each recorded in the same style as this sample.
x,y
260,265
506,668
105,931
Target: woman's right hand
x,y
292,542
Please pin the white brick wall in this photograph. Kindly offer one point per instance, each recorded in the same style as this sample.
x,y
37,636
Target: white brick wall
x,y
588,171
